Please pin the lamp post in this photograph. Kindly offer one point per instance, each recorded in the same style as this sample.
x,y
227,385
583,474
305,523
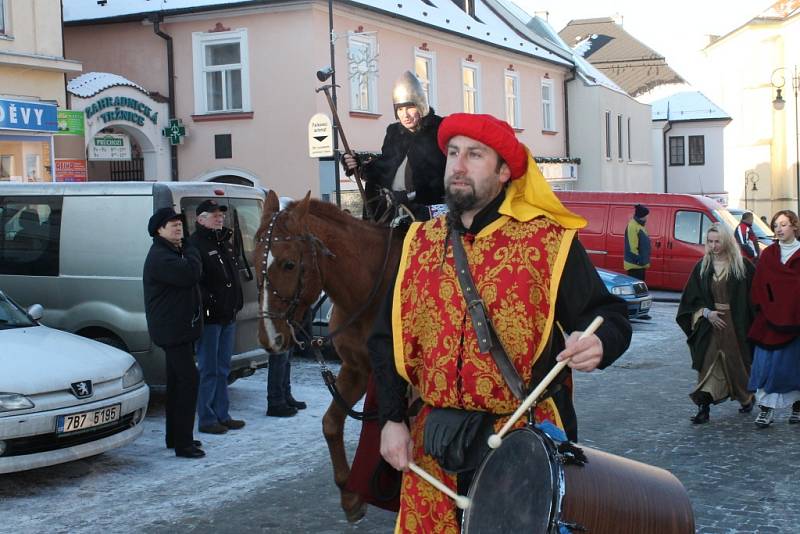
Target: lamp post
x,y
778,80
750,177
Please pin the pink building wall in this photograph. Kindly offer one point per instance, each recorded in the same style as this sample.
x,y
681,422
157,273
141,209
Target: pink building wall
x,y
286,47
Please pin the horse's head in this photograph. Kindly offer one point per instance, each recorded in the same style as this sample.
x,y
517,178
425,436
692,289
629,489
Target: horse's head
x,y
289,279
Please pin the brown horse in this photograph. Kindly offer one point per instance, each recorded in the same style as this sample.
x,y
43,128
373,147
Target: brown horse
x,y
312,246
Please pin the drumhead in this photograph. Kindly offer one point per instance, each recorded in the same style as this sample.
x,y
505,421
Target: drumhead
x,y
515,488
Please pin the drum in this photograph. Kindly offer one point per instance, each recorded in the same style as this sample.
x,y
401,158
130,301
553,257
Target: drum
x,y
528,486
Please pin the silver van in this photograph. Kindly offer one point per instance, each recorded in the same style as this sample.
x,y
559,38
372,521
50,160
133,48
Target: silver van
x,y
79,249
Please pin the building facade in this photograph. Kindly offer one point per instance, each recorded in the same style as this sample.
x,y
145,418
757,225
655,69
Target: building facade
x,y
32,69
744,68
245,88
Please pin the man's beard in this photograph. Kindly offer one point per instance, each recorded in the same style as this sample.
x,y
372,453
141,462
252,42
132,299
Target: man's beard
x,y
460,200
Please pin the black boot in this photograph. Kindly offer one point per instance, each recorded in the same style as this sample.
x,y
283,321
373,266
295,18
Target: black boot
x,y
702,414
294,403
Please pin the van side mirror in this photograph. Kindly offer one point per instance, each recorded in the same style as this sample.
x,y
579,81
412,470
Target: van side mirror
x,y
35,312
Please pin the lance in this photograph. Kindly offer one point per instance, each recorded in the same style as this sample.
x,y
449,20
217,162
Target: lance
x,y
357,172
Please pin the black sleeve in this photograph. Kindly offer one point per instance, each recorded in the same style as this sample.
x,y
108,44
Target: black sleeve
x,y
582,296
390,387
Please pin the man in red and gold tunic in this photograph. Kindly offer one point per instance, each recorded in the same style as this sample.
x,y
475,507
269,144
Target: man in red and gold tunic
x,y
536,282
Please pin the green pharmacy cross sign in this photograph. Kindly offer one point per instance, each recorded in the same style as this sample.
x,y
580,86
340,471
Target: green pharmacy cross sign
x,y
175,131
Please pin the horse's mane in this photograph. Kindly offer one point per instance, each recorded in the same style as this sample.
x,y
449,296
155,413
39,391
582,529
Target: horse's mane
x,y
331,213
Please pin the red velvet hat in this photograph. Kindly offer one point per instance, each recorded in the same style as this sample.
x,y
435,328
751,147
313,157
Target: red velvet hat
x,y
490,131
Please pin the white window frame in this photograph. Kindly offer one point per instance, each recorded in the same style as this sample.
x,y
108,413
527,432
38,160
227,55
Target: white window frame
x,y
475,67
371,41
548,107
516,120
430,58
199,42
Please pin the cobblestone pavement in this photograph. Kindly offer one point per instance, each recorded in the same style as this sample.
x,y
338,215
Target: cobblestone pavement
x,y
740,479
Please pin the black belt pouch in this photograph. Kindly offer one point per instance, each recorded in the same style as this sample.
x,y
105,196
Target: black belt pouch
x,y
457,438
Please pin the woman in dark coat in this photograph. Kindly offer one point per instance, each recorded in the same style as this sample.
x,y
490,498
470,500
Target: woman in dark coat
x,y
715,313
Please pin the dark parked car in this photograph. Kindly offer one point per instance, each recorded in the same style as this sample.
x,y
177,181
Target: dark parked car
x,y
630,289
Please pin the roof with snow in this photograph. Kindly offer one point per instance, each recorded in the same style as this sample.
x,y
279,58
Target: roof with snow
x,y
687,106
488,25
780,11
89,84
632,65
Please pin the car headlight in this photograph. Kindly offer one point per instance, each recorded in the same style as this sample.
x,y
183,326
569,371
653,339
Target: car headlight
x,y
623,290
14,401
133,375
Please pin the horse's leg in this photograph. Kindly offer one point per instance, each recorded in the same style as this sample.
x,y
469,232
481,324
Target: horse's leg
x,y
352,384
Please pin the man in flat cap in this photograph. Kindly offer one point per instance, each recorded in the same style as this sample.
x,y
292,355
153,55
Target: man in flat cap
x,y
507,229
410,164
221,289
637,244
172,271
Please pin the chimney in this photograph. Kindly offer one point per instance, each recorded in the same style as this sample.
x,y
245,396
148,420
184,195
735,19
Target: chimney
x,y
618,18
542,15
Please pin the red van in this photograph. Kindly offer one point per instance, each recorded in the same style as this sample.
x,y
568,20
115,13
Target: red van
x,y
677,227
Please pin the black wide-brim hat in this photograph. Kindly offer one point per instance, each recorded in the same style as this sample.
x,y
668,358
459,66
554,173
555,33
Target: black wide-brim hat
x,y
160,218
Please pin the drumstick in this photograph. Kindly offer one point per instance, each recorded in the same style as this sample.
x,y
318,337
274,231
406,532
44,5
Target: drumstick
x,y
496,439
461,501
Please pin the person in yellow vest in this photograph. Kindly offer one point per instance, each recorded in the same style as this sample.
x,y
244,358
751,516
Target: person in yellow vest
x,y
538,288
637,244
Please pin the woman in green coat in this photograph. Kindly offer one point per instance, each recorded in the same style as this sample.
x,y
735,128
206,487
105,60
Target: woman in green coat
x,y
715,314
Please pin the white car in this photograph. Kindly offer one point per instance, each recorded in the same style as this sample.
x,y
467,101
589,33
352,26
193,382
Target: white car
x,y
62,396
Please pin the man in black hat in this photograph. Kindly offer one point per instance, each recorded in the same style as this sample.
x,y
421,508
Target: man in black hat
x,y
637,244
172,307
222,298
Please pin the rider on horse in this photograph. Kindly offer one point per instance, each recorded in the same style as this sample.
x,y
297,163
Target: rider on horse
x,y
410,166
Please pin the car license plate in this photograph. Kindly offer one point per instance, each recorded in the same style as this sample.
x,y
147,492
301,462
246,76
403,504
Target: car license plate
x,y
81,421
645,305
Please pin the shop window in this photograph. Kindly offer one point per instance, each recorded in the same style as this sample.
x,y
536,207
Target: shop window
x,y
511,80
30,229
362,58
548,107
221,72
6,167
470,75
425,69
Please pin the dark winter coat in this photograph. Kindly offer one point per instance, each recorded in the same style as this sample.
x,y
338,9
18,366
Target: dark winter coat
x,y
171,293
697,294
220,285
424,157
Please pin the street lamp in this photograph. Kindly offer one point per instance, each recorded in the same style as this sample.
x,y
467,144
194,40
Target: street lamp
x,y
750,177
778,81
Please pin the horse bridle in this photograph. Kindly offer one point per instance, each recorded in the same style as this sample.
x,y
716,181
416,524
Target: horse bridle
x,y
294,301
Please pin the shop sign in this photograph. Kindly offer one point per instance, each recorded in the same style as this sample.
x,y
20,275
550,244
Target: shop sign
x,y
110,147
121,108
70,122
71,170
320,136
29,116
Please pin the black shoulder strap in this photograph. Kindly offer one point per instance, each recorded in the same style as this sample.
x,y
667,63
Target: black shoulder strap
x,y
487,338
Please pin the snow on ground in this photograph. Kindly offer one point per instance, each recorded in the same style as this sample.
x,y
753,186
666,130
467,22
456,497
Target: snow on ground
x,y
144,483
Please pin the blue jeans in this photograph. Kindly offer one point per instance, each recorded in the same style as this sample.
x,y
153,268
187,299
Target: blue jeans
x,y
279,386
214,350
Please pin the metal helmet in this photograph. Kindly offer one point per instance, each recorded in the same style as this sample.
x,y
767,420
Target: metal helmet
x,y
408,90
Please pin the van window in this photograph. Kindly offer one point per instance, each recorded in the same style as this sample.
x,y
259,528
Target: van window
x,y
246,210
30,229
691,227
594,215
